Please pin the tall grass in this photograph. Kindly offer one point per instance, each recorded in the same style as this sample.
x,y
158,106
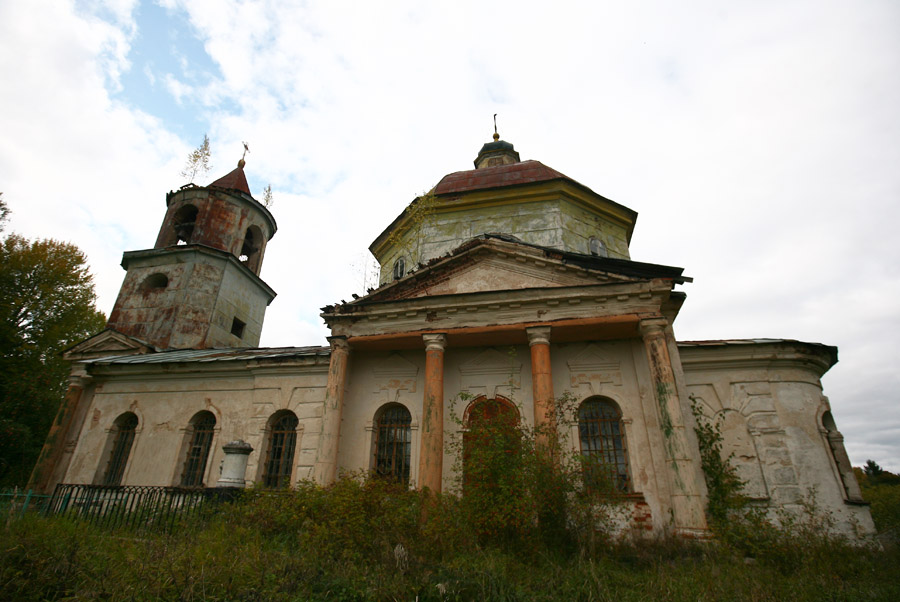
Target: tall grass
x,y
367,540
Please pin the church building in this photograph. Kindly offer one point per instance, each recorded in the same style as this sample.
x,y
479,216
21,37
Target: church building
x,y
510,284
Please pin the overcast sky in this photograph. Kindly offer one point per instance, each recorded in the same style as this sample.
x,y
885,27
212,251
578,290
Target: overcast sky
x,y
757,140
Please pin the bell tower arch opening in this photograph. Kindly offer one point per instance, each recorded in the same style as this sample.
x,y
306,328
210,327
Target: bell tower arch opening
x,y
251,249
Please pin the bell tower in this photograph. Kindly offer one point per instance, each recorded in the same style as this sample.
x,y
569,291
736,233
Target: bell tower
x,y
199,286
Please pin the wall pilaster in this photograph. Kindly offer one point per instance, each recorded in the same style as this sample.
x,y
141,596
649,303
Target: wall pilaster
x,y
326,458
685,473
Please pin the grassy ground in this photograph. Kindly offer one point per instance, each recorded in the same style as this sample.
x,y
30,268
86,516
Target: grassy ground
x,y
359,541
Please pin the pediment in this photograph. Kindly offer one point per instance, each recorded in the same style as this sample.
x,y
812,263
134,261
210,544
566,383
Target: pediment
x,y
494,273
107,343
492,270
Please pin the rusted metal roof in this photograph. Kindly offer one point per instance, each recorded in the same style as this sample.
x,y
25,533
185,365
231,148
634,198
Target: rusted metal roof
x,y
213,355
235,180
525,172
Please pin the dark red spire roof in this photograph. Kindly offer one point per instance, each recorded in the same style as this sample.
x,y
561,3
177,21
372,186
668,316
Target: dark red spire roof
x,y
525,172
236,180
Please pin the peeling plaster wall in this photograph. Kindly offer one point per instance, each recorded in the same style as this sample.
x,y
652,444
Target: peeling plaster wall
x,y
222,220
614,369
241,400
374,380
769,410
619,371
237,299
556,223
195,309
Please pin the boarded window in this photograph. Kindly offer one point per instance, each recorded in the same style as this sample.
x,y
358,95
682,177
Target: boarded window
x,y
282,441
393,443
122,434
603,453
203,426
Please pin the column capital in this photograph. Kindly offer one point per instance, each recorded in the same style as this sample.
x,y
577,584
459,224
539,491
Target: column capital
x,y
538,335
653,326
339,342
435,341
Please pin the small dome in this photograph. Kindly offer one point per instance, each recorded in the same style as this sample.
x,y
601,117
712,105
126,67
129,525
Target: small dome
x,y
498,152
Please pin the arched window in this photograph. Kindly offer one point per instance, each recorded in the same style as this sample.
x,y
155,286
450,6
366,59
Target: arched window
x,y
154,282
399,269
603,451
282,441
122,435
596,247
393,443
203,426
184,221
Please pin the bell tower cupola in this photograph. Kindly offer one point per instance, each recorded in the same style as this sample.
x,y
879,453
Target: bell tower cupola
x,y
199,286
498,152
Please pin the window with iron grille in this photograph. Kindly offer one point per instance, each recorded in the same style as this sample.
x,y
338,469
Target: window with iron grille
x,y
393,443
280,450
603,451
123,436
203,426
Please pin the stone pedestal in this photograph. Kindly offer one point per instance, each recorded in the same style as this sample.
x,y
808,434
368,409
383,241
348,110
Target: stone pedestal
x,y
234,467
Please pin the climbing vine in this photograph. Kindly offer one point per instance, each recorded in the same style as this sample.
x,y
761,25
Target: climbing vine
x,y
722,481
408,237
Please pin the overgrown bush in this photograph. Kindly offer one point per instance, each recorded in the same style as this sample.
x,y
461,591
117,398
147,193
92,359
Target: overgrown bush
x,y
521,486
882,490
785,540
264,547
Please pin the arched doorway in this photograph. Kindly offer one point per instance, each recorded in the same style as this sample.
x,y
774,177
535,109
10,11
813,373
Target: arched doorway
x,y
491,442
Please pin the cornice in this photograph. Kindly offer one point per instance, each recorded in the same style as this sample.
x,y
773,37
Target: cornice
x,y
198,249
500,307
313,364
724,355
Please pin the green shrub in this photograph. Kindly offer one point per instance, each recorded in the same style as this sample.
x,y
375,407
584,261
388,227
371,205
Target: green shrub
x,y
264,546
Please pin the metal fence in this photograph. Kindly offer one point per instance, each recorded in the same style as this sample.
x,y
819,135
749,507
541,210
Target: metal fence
x,y
129,507
16,502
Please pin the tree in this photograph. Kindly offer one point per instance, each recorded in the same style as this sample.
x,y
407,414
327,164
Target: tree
x,y
46,305
268,199
4,213
198,161
872,469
